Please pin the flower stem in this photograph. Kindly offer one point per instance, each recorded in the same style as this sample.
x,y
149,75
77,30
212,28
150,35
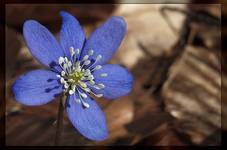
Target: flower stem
x,y
59,120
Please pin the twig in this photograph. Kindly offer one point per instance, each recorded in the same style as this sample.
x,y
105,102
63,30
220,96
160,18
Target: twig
x,y
59,121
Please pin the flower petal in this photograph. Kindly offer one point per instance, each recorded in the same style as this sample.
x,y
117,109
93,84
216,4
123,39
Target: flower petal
x,y
118,81
36,87
106,39
72,34
90,122
41,43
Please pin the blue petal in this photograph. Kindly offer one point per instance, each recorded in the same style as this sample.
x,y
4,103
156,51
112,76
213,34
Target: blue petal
x,y
41,43
72,34
90,122
36,87
118,81
106,39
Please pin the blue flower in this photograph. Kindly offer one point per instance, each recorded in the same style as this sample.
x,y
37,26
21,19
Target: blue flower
x,y
75,67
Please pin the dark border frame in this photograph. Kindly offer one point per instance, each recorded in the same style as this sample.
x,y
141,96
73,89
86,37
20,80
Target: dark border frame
x,y
2,71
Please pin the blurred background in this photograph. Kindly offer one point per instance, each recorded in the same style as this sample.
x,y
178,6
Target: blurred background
x,y
174,54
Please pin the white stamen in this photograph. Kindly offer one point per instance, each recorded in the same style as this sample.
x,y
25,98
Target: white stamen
x,y
66,59
77,64
98,57
85,57
60,60
83,95
63,73
90,52
71,80
104,75
77,51
97,67
87,90
101,86
62,80
92,82
58,76
99,95
65,66
84,85
86,105
71,92
90,77
72,51
87,62
87,72
69,64
78,69
97,87
74,87
66,85
83,78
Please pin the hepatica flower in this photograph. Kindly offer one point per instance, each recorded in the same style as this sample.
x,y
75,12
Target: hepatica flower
x,y
75,67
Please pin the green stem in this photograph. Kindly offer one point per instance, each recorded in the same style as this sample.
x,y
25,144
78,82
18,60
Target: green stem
x,y
60,121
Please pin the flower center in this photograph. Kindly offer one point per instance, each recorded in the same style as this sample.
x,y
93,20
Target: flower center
x,y
77,75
